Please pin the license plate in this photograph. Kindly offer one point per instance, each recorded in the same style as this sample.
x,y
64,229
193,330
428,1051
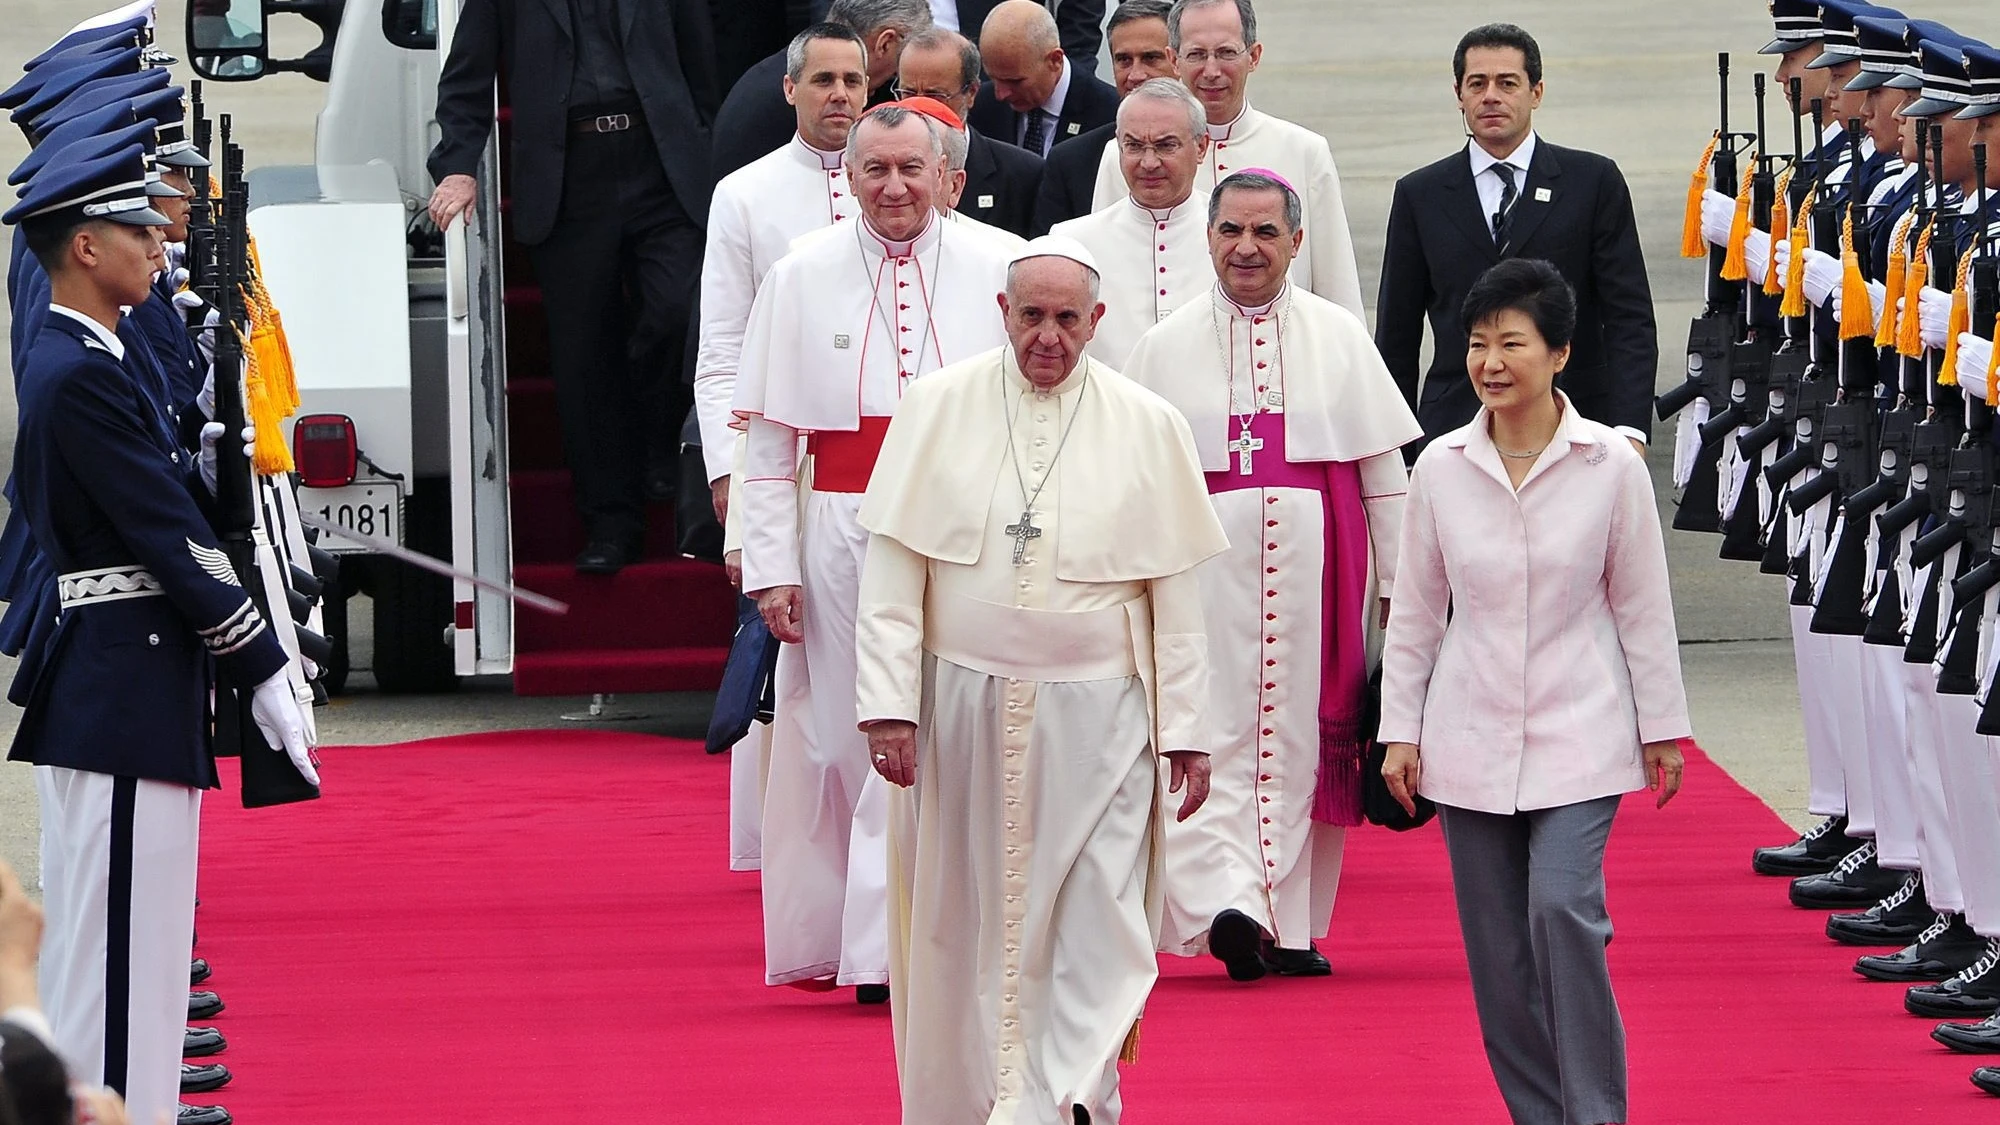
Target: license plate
x,y
374,510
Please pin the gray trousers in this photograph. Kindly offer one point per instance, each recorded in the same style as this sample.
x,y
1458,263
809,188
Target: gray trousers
x,y
1530,890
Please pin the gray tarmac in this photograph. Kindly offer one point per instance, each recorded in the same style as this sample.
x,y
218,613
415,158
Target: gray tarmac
x,y
1633,81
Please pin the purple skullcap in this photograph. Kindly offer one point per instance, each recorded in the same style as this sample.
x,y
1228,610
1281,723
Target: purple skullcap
x,y
1267,172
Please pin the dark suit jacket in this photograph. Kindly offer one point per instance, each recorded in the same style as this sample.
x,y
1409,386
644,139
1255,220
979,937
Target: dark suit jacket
x,y
1439,243
756,120
1079,24
1091,102
1007,176
1069,177
748,30
667,50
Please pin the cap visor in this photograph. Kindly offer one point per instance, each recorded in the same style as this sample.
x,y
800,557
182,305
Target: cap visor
x,y
1832,57
140,217
160,190
1903,82
1974,112
1929,107
1866,80
187,158
1781,46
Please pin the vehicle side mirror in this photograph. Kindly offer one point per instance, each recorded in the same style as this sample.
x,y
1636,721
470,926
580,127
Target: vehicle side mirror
x,y
227,40
411,24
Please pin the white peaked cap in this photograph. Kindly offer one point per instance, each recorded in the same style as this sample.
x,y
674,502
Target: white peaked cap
x,y
121,14
1057,246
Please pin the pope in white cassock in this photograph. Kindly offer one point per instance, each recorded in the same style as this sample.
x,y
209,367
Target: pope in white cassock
x,y
758,210
1152,245
841,328
1031,662
1217,45
1299,426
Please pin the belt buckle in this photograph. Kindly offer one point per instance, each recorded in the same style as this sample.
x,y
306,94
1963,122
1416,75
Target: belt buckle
x,y
613,122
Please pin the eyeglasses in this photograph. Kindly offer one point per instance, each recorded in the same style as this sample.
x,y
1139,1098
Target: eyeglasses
x,y
1166,148
1224,55
941,95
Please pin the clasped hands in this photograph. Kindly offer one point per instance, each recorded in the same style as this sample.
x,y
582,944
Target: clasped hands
x,y
892,750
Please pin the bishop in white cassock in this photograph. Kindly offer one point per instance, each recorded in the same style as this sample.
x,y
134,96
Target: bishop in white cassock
x,y
757,211
1152,245
840,330
1299,426
1217,54
1032,661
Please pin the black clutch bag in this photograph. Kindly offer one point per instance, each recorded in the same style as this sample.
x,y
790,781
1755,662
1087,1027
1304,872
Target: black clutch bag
x,y
1377,803
748,692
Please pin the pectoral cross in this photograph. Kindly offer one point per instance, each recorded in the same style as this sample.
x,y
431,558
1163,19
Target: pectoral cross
x,y
1022,532
1243,447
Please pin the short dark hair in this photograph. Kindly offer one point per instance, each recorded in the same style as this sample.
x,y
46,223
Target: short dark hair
x,y
1132,11
1256,180
48,236
795,52
1498,35
1530,286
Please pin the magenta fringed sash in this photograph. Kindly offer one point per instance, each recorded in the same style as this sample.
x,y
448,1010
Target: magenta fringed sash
x,y
1343,651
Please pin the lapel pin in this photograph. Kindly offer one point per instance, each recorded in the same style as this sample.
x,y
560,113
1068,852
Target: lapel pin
x,y
1075,127
985,201
840,339
1542,195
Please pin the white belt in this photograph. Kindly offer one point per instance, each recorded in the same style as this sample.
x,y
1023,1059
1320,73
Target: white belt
x,y
107,584
1030,644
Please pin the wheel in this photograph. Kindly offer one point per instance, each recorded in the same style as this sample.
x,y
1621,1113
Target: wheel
x,y
413,607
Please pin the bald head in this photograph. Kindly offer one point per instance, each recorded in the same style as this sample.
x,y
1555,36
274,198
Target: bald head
x,y
1022,52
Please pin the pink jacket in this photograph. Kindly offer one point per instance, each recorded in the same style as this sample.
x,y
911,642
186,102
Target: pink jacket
x,y
1531,645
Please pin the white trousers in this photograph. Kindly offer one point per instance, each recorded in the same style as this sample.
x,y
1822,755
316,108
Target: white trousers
x,y
1826,778
748,760
1884,701
118,862
1970,776
1925,732
1844,687
825,843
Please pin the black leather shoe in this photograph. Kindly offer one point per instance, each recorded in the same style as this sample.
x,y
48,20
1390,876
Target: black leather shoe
x,y
871,994
203,1005
606,556
198,970
1817,852
204,1115
1079,1115
201,1042
1233,940
200,1079
1982,1038
1945,948
662,483
1858,883
1987,1078
1975,992
1307,962
1896,920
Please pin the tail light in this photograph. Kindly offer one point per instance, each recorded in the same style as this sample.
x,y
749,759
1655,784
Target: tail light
x,y
323,450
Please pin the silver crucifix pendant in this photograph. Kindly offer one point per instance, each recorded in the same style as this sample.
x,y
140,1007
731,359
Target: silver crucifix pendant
x,y
1022,532
1243,447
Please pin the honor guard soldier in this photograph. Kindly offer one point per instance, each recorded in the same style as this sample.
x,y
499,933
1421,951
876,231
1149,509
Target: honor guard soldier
x,y
118,721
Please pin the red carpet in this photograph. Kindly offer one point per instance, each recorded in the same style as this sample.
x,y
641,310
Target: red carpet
x,y
539,928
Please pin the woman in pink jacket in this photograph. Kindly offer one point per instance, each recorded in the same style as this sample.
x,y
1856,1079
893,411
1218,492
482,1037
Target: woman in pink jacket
x,y
1530,678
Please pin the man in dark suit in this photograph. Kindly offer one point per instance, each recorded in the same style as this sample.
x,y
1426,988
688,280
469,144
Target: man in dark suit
x,y
1510,195
611,104
1000,180
756,119
1140,52
1033,96
1079,25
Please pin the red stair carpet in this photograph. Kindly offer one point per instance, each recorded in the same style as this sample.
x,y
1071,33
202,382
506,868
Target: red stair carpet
x,y
537,928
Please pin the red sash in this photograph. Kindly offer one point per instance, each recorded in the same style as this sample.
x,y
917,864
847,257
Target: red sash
x,y
844,459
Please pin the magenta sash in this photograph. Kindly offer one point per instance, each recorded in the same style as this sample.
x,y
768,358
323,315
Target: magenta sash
x,y
1343,647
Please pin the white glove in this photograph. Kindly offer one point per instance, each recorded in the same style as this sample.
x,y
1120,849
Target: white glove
x,y
1822,278
1974,356
1877,293
276,709
1781,245
1718,213
1934,315
211,433
1757,256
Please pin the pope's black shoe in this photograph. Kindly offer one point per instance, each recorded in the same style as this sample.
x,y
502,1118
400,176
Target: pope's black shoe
x,y
203,1115
198,970
1233,939
200,1079
1896,920
608,555
1857,883
1815,853
1972,993
1307,962
1987,1078
203,1005
1982,1038
201,1042
871,994
1945,948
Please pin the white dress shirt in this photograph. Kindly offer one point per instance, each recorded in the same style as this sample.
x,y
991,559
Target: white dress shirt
x,y
102,334
1053,108
944,14
1487,181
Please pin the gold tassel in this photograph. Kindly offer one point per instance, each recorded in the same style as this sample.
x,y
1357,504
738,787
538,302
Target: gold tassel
x,y
1692,244
1129,1053
1910,335
1856,317
1794,303
1781,227
1734,267
284,377
269,455
1899,265
1961,320
1993,369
